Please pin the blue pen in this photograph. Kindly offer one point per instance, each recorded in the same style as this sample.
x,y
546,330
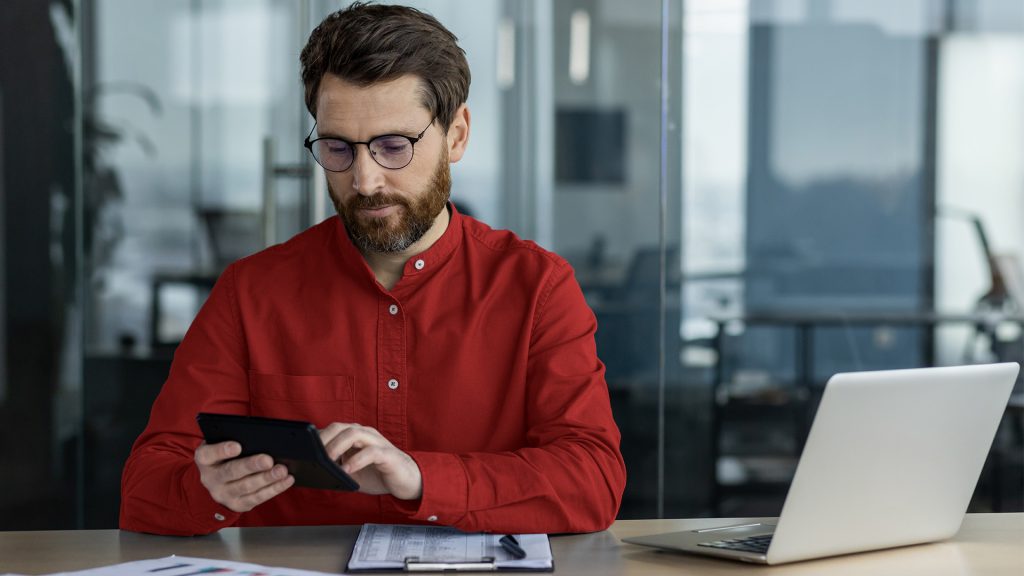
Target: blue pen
x,y
511,545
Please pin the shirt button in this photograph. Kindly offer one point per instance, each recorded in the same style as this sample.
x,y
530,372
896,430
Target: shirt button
x,y
393,384
393,309
432,519
419,264
218,517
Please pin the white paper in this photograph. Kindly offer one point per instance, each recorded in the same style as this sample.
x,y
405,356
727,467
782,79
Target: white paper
x,y
387,546
186,566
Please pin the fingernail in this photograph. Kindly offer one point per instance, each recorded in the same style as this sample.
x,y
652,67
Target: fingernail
x,y
278,472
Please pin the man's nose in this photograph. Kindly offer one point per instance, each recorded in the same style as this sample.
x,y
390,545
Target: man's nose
x,y
367,175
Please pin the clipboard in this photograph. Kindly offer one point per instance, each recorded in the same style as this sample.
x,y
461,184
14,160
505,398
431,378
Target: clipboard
x,y
402,548
414,564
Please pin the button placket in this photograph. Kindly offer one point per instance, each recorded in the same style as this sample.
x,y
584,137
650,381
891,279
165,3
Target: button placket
x,y
391,372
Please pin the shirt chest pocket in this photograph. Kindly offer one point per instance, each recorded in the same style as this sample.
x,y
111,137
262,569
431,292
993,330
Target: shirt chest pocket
x,y
317,399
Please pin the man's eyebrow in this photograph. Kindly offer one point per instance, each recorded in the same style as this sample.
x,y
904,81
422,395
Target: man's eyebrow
x,y
327,134
412,132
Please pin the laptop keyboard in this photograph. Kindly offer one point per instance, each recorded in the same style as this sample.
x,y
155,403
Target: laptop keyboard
x,y
755,544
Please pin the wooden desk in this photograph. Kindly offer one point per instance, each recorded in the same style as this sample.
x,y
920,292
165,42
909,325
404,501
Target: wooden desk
x,y
988,544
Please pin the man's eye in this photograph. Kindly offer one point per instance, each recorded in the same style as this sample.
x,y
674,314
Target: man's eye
x,y
391,145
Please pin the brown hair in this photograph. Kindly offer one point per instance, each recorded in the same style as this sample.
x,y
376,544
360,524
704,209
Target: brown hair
x,y
369,43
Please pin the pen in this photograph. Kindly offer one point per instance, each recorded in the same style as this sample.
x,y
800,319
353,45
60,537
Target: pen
x,y
511,545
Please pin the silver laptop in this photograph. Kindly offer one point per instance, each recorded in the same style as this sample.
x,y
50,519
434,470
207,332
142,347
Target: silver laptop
x,y
891,459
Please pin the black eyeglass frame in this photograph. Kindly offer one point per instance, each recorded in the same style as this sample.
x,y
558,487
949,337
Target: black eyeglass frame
x,y
412,142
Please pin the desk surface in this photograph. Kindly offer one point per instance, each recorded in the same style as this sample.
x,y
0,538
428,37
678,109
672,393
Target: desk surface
x,y
988,544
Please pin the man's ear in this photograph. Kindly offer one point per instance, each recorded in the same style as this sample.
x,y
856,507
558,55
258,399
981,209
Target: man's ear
x,y
458,134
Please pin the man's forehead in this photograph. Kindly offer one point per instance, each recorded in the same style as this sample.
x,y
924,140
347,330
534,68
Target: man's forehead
x,y
390,105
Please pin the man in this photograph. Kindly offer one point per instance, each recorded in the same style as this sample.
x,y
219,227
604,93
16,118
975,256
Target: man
x,y
449,367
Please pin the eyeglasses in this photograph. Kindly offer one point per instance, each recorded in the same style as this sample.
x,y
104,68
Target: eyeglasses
x,y
391,151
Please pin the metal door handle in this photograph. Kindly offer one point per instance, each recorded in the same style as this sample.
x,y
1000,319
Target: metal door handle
x,y
271,172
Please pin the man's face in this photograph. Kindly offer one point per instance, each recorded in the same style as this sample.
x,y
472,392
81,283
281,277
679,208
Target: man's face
x,y
384,210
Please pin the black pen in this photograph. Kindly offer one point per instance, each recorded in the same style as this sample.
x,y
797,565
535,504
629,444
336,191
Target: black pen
x,y
511,545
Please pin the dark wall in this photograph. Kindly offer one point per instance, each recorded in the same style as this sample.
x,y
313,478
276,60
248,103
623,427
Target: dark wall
x,y
37,489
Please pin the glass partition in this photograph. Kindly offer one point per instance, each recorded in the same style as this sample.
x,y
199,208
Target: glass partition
x,y
614,205
835,216
202,165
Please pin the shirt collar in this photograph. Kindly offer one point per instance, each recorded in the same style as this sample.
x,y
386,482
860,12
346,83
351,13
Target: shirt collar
x,y
421,264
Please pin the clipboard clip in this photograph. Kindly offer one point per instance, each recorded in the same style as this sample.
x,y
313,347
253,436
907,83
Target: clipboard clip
x,y
415,564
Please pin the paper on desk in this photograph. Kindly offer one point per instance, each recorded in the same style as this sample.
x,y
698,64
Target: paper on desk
x,y
186,566
386,546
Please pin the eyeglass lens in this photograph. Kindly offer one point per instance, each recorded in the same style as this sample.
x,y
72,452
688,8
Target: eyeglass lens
x,y
389,151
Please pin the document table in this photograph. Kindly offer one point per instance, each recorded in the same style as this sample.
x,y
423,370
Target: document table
x,y
987,544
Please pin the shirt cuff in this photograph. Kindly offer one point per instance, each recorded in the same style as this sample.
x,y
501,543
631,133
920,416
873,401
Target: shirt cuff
x,y
207,514
445,498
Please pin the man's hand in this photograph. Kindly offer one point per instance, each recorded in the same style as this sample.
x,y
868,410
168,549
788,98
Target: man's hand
x,y
241,484
373,461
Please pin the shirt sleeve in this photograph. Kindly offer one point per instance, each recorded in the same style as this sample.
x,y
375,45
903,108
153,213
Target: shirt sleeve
x,y
160,487
570,476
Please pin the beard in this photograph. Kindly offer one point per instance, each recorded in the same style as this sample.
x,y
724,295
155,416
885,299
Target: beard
x,y
415,217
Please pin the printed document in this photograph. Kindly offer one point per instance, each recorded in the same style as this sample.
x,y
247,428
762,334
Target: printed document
x,y
186,566
390,546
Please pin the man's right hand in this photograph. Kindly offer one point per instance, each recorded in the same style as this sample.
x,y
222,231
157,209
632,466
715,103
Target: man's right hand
x,y
241,484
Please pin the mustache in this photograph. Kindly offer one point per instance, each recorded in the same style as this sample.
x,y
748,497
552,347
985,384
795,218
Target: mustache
x,y
376,201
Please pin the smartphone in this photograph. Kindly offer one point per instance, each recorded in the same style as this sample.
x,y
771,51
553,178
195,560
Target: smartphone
x,y
293,443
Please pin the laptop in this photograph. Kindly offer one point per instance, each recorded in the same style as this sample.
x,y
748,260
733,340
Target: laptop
x,y
892,459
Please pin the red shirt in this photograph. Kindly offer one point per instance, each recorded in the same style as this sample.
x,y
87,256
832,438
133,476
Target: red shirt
x,y
480,363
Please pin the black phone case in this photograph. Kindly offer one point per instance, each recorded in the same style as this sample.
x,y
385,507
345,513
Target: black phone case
x,y
293,443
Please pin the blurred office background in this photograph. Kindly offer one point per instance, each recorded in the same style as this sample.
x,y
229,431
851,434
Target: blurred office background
x,y
755,194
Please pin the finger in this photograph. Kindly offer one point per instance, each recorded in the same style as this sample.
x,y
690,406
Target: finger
x,y
253,500
331,431
356,437
255,482
212,454
369,456
242,467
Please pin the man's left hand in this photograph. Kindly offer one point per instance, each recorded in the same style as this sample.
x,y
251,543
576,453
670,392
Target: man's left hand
x,y
373,461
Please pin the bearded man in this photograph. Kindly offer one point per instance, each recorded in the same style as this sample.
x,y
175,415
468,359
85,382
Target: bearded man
x,y
450,368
